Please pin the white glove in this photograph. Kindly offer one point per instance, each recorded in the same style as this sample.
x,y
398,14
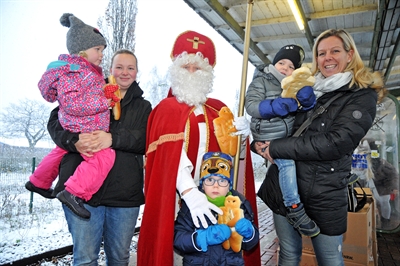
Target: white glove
x,y
200,207
242,126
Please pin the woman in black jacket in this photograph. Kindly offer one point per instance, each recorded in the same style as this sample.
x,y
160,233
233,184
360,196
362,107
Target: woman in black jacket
x,y
114,208
323,152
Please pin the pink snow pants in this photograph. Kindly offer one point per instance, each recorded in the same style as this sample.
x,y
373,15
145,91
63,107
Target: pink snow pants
x,y
87,178
47,170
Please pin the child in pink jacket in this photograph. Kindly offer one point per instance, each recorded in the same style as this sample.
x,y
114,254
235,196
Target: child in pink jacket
x,y
76,82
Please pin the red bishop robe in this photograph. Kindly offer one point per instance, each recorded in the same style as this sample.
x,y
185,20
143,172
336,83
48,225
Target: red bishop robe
x,y
165,138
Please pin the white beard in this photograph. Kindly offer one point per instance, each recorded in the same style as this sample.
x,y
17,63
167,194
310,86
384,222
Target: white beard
x,y
187,87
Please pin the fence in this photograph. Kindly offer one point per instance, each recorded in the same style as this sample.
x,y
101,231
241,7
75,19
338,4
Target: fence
x,y
16,170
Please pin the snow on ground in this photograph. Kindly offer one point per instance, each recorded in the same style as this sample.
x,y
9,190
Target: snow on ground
x,y
24,234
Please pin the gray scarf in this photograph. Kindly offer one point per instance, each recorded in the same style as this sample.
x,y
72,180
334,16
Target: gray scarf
x,y
272,69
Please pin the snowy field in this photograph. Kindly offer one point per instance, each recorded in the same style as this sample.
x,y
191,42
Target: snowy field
x,y
24,234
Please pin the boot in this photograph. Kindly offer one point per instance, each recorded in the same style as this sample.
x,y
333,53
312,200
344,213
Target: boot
x,y
47,193
74,203
301,222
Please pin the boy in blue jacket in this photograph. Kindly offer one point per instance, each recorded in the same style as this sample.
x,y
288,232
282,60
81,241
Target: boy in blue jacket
x,y
203,246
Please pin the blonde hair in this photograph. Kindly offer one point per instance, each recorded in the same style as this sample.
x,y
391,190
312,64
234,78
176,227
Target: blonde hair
x,y
363,76
83,54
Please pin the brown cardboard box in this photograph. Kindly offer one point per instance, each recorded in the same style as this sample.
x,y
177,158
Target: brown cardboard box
x,y
359,242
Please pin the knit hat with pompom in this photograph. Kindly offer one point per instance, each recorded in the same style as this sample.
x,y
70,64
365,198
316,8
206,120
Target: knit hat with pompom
x,y
80,36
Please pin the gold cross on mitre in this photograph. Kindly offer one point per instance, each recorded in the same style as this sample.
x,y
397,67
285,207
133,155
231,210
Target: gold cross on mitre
x,y
196,41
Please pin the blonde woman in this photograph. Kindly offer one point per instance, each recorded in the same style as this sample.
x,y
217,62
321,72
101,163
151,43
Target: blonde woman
x,y
323,152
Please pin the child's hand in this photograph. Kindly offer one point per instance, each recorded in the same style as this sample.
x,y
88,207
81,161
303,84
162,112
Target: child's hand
x,y
111,103
283,106
244,228
213,235
306,98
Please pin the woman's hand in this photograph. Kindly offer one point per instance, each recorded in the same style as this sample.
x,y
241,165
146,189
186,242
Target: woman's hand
x,y
267,156
262,148
84,144
101,140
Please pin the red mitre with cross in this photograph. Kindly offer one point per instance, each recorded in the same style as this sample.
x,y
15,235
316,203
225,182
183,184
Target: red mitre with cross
x,y
193,42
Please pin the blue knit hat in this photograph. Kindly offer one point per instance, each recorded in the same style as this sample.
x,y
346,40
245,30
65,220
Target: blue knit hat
x,y
80,36
217,164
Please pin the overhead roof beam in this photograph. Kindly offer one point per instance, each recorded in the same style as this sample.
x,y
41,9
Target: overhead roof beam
x,y
221,11
307,30
300,35
343,11
377,34
318,15
395,53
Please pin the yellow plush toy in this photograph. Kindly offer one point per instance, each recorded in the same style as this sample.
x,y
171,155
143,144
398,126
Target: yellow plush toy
x,y
300,78
231,214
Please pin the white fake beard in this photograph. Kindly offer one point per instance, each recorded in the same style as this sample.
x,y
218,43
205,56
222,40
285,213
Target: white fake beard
x,y
191,88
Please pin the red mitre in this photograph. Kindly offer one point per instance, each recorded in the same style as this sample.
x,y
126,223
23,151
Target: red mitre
x,y
193,42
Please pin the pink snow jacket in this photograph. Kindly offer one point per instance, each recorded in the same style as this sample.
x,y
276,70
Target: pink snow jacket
x,y
77,85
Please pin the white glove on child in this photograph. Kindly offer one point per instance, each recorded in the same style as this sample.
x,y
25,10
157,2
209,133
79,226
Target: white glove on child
x,y
200,207
242,126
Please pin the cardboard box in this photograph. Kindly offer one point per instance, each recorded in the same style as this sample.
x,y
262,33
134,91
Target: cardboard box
x,y
359,242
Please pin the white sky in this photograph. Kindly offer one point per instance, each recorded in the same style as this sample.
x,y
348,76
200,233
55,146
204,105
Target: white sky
x,y
31,36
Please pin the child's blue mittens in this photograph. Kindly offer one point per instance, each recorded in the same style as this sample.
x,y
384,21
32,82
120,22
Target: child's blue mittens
x,y
306,98
284,106
278,107
213,235
244,228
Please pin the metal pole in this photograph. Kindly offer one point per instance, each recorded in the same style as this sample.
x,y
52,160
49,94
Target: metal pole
x,y
31,199
243,84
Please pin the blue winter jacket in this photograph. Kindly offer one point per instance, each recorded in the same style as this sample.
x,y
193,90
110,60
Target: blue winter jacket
x,y
185,239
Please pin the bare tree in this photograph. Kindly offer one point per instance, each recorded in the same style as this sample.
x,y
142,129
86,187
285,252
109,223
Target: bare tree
x,y
28,119
118,27
156,87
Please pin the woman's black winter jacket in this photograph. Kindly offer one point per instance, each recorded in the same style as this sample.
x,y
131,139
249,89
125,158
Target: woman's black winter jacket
x,y
323,155
123,186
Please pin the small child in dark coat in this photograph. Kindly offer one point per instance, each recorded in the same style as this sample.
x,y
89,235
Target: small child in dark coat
x,y
203,246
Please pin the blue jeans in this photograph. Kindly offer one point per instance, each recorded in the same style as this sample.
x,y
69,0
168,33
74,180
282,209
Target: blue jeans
x,y
328,249
288,181
115,226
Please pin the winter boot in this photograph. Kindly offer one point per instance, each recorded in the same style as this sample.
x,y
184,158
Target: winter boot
x,y
301,222
74,203
47,193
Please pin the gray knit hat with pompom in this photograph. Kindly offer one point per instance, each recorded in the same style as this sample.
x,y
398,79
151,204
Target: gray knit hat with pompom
x,y
80,36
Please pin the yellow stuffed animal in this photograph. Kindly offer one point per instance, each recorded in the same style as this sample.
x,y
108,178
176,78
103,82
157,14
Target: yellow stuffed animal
x,y
231,214
300,78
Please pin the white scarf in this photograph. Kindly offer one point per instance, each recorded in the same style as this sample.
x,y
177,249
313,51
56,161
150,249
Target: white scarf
x,y
332,83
